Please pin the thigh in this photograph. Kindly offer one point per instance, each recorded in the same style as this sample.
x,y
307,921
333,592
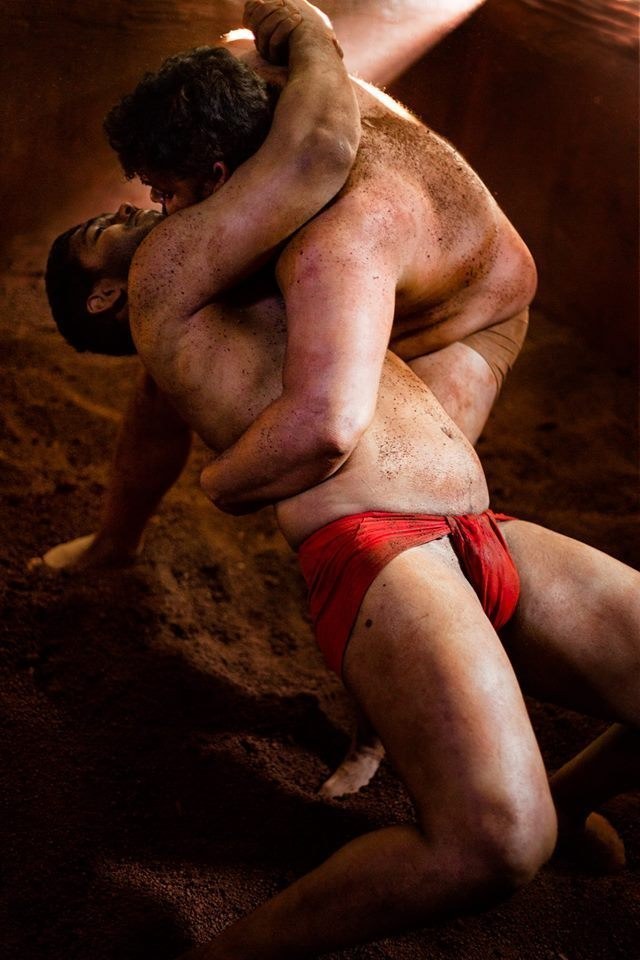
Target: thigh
x,y
575,636
467,376
431,675
462,382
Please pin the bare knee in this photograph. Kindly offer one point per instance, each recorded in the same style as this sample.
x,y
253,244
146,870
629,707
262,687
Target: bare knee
x,y
499,847
511,845
477,860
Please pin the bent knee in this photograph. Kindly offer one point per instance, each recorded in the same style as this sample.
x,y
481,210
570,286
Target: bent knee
x,y
502,847
479,860
508,855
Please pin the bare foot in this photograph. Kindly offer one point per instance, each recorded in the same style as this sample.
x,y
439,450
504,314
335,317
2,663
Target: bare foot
x,y
355,771
86,553
68,554
594,846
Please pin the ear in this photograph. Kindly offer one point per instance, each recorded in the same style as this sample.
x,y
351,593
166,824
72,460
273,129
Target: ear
x,y
107,294
219,175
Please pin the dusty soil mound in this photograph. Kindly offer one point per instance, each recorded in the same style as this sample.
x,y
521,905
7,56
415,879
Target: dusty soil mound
x,y
164,729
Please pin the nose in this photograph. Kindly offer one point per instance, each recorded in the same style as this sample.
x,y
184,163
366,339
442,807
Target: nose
x,y
123,212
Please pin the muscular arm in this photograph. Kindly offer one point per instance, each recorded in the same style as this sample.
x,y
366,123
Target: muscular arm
x,y
151,451
307,157
193,256
339,290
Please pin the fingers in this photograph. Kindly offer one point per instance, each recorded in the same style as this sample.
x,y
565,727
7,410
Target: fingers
x,y
257,11
272,22
277,51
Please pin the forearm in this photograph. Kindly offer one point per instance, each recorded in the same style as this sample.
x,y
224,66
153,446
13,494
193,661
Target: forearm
x,y
330,378
304,161
320,77
151,451
288,449
317,119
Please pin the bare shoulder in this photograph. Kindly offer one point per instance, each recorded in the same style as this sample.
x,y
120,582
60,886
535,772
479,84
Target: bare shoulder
x,y
444,185
378,207
379,217
361,231
150,274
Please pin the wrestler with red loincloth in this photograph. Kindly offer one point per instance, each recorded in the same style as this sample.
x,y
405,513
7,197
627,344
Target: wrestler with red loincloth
x,y
423,660
450,288
340,561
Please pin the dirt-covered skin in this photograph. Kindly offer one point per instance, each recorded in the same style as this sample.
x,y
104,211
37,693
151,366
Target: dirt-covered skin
x,y
165,728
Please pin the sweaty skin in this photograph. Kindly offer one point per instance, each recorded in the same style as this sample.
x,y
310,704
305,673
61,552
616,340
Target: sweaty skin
x,y
307,156
440,247
459,375
423,662
414,250
472,738
265,190
236,353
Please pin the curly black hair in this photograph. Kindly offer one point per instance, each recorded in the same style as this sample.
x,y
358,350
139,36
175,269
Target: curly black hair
x,y
201,106
68,285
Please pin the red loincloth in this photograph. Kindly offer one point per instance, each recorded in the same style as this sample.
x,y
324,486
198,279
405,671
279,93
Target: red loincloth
x,y
341,560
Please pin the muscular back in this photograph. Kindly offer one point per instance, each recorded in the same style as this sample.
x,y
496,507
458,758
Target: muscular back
x,y
457,263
